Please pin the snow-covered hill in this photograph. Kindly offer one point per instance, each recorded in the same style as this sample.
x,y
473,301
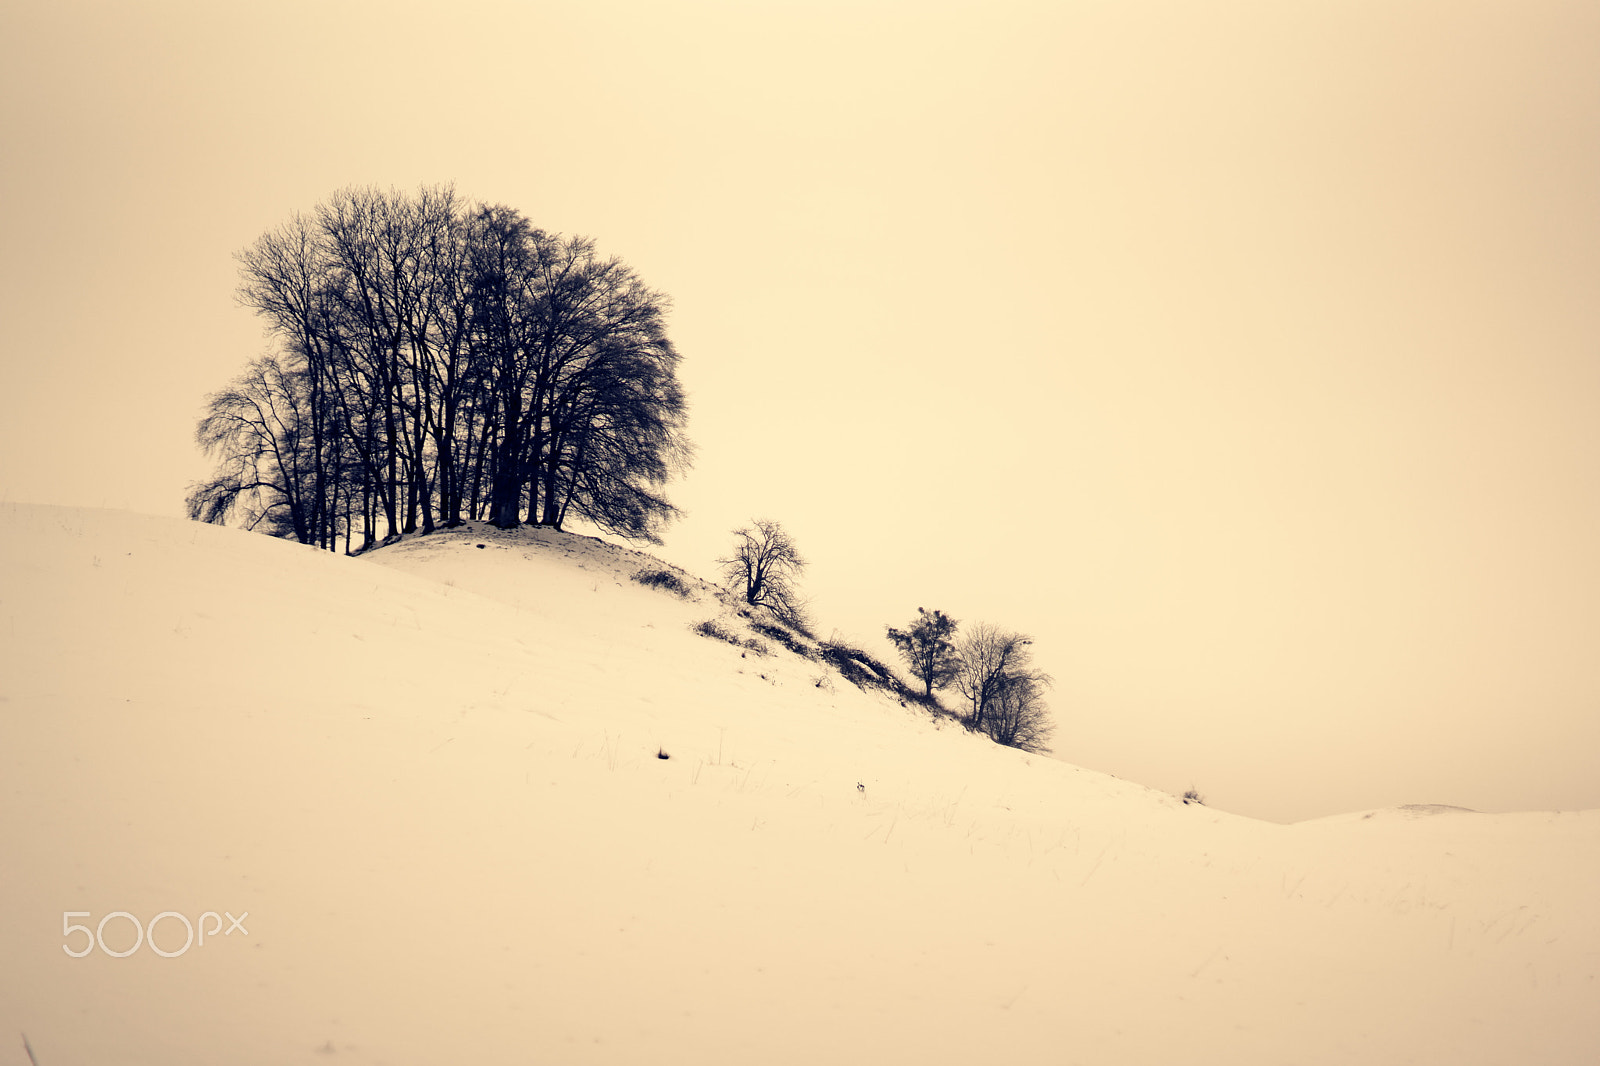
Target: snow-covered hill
x,y
487,799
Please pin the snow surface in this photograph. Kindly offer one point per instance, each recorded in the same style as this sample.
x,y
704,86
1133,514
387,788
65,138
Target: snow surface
x,y
431,776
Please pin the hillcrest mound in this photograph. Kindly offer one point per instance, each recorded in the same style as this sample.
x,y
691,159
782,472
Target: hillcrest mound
x,y
428,783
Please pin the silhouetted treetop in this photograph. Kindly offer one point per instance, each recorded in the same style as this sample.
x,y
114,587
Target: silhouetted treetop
x,y
439,360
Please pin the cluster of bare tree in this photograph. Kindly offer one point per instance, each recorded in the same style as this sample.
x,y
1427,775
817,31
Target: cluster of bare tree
x,y
440,360
991,667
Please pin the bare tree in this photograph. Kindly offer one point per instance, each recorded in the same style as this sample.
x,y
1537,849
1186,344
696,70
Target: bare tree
x,y
609,432
282,277
584,411
258,430
766,565
1018,716
928,650
998,680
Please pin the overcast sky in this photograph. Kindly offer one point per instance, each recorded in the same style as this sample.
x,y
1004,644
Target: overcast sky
x,y
1247,355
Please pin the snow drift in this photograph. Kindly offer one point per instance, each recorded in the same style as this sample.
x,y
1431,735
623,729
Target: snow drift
x,y
480,797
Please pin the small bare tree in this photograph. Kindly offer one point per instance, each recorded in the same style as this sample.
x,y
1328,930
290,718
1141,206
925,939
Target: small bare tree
x,y
766,566
1018,717
997,679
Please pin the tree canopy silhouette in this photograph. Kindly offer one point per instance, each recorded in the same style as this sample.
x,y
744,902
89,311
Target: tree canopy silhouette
x,y
1002,688
765,567
441,360
928,649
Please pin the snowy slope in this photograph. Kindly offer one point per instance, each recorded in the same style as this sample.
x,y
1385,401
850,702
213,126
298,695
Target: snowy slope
x,y
430,775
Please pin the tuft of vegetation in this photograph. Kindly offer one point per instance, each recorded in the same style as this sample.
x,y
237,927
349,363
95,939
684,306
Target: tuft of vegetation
x,y
781,635
714,630
860,668
928,701
664,580
1193,796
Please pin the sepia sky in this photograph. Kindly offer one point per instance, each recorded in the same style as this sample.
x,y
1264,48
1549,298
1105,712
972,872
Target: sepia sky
x,y
1247,355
